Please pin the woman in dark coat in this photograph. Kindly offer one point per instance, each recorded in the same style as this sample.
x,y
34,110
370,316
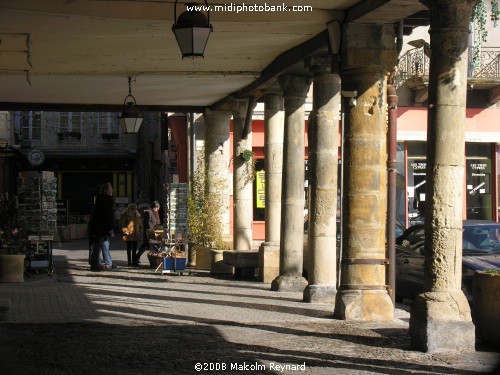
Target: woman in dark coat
x,y
151,219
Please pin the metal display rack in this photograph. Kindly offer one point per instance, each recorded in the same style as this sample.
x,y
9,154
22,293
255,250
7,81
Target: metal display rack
x,y
37,205
39,254
175,201
176,214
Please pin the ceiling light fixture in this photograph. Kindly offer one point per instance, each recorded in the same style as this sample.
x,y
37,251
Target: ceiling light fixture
x,y
131,118
192,29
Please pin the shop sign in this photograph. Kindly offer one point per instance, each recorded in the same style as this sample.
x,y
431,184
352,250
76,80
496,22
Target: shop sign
x,y
260,186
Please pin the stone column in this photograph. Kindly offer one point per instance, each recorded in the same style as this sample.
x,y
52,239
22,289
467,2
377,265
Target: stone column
x,y
369,54
440,317
269,258
217,162
242,180
323,164
292,196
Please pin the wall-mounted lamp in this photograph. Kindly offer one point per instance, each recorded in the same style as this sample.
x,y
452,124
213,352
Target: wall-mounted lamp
x,y
131,118
192,29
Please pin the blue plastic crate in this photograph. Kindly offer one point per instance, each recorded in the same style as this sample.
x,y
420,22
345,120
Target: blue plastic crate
x,y
174,264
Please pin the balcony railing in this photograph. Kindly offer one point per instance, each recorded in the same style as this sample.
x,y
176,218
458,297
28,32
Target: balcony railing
x,y
488,65
415,64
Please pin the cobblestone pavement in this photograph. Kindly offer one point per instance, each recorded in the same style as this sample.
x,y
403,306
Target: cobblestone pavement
x,y
135,321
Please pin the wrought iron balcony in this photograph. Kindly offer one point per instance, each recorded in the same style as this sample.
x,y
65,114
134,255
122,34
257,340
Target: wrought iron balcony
x,y
413,66
489,63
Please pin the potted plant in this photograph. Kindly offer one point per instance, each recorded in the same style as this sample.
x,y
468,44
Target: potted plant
x,y
205,230
12,245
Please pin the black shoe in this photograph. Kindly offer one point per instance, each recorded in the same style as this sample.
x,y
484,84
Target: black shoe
x,y
136,265
96,269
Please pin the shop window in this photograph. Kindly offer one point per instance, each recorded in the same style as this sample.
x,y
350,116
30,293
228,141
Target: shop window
x,y
416,165
259,185
400,184
478,181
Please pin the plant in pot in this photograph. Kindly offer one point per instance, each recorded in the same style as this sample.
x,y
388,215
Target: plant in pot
x,y
205,230
12,244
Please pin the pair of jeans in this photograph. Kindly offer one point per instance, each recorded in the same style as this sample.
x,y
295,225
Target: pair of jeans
x,y
106,255
99,243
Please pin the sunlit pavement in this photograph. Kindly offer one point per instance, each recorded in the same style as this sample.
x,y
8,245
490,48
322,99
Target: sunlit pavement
x,y
130,320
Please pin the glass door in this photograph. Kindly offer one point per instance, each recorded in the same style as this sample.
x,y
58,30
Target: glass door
x,y
478,181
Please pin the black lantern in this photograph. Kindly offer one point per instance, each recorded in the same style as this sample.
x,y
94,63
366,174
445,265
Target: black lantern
x,y
131,118
192,29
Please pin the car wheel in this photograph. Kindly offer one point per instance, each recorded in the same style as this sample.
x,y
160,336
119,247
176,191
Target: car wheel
x,y
399,298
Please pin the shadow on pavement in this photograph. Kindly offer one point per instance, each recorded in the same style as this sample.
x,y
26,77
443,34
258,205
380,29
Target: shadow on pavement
x,y
134,339
94,348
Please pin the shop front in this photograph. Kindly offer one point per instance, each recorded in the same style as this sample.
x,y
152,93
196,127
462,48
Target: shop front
x,y
481,164
481,180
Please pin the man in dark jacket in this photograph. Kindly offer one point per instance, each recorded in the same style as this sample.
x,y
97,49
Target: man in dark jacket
x,y
151,219
101,225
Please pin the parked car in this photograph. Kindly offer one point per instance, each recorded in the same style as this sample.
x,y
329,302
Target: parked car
x,y
480,251
400,228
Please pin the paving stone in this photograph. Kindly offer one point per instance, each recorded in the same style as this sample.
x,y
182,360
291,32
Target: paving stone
x,y
135,321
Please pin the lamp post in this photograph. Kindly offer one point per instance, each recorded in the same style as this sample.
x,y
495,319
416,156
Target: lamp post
x,y
130,119
192,29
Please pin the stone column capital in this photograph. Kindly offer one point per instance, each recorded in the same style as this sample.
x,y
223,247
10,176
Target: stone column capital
x,y
239,108
450,14
368,47
294,86
273,100
319,65
223,116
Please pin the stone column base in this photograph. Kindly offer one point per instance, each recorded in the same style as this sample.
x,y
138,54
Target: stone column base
x,y
364,305
289,283
320,294
269,261
441,322
217,265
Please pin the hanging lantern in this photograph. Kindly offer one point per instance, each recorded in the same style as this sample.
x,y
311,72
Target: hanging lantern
x,y
192,30
130,119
